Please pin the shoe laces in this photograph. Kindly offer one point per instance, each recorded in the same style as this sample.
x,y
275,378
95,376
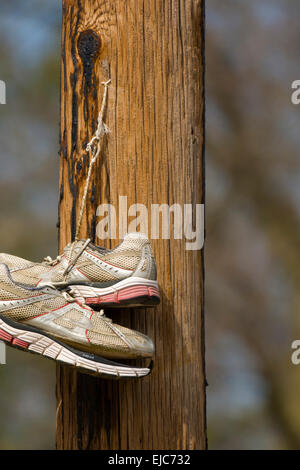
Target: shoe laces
x,y
71,296
72,262
53,262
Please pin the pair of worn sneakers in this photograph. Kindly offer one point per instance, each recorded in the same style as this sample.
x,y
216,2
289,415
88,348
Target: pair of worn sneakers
x,y
52,308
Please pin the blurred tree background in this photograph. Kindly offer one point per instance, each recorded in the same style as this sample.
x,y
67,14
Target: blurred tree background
x,y
29,64
253,236
253,233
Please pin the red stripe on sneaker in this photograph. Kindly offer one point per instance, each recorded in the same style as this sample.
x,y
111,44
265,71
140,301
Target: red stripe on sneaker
x,y
125,294
20,343
5,336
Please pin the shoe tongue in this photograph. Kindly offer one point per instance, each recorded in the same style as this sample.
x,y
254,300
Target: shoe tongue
x,y
76,246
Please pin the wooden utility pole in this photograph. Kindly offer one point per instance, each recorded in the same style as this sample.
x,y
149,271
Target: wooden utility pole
x,y
153,51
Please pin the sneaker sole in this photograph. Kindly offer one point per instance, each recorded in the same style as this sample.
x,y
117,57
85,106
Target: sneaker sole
x,y
133,292
34,341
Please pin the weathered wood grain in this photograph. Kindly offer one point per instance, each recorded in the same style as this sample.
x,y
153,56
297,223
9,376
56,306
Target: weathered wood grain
x,y
153,51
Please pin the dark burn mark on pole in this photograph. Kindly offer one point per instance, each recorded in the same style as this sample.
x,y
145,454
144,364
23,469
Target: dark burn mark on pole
x,y
79,167
74,132
73,79
89,45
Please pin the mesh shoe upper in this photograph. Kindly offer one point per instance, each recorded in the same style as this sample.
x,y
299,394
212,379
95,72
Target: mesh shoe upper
x,y
71,322
93,264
